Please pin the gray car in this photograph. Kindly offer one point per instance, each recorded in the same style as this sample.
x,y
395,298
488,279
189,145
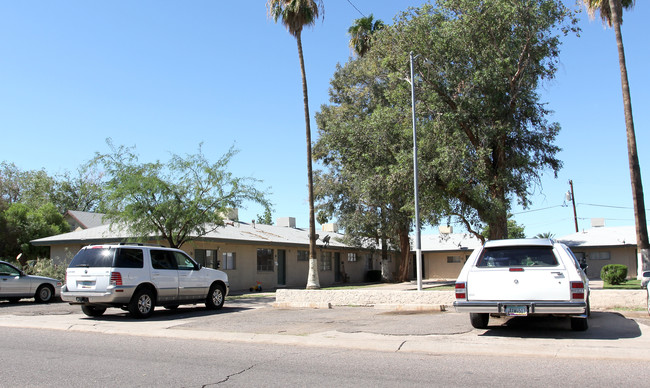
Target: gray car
x,y
16,285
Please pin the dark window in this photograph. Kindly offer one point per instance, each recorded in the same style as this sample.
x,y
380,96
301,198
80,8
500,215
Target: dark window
x,y
129,258
303,255
517,257
265,260
94,257
163,259
184,262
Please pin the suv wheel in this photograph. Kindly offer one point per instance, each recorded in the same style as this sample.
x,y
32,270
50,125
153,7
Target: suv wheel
x,y
216,297
93,311
44,294
142,304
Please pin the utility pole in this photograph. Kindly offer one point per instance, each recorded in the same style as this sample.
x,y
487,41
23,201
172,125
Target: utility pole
x,y
418,246
573,200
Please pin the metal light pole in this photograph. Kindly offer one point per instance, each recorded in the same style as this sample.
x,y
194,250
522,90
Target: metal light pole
x,y
418,247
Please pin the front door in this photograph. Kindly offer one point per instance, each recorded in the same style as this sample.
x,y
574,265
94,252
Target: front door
x,y
337,267
282,267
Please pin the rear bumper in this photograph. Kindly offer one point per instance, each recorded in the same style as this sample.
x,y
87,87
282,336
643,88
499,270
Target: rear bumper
x,y
534,307
117,295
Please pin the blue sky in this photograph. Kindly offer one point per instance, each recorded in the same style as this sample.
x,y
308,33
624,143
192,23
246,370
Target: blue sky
x,y
166,75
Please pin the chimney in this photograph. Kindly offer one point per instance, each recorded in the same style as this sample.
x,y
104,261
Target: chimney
x,y
287,222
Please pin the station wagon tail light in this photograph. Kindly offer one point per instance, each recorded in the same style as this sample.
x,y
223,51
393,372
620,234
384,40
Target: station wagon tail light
x,y
116,279
577,290
461,291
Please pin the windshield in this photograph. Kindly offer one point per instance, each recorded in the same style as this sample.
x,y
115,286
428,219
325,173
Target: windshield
x,y
517,257
94,257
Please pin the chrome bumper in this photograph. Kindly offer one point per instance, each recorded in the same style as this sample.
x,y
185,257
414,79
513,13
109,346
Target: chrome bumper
x,y
534,307
112,296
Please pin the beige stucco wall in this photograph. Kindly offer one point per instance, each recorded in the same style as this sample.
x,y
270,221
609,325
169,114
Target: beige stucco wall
x,y
245,275
436,266
622,255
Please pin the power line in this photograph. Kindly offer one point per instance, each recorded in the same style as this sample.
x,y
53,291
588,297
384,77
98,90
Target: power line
x,y
536,210
355,7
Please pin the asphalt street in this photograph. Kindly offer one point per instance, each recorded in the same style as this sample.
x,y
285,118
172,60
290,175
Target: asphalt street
x,y
612,335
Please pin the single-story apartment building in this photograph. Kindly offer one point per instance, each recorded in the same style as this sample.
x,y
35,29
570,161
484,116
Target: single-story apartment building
x,y
603,245
275,256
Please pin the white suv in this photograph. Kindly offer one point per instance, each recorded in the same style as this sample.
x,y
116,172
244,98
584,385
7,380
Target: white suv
x,y
138,277
523,277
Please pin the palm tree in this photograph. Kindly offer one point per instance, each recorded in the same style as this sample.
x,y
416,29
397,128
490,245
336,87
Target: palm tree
x,y
611,12
361,34
295,14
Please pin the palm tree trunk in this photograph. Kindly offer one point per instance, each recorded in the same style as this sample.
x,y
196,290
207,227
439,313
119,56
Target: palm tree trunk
x,y
633,157
312,276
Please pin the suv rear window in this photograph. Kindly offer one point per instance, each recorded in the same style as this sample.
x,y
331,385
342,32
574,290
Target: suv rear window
x,y
108,257
517,257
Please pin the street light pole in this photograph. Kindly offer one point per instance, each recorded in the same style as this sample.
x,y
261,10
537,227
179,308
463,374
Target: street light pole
x,y
418,247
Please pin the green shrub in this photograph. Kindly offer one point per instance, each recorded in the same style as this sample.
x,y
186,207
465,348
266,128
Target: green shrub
x,y
613,273
45,267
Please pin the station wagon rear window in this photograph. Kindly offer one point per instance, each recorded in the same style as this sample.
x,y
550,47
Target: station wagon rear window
x,y
108,257
517,257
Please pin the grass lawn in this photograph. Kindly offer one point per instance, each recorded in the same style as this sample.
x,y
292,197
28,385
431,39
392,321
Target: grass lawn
x,y
632,284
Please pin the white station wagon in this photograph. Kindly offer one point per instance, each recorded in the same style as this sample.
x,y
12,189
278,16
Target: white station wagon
x,y
523,277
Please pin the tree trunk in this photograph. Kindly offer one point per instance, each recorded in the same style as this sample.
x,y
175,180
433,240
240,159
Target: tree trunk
x,y
312,278
633,157
405,256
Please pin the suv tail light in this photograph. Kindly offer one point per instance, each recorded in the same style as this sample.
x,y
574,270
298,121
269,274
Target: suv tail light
x,y
577,290
116,279
461,291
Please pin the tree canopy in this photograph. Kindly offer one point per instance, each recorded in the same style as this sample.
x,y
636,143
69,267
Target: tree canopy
x,y
180,200
484,135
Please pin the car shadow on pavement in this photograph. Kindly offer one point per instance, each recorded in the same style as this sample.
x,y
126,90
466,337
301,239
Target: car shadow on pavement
x,y
602,326
161,314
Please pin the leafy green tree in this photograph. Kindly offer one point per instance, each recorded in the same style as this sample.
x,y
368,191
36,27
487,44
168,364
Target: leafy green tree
x,y
514,231
32,188
180,200
24,223
295,15
266,218
545,235
361,33
484,134
611,12
82,190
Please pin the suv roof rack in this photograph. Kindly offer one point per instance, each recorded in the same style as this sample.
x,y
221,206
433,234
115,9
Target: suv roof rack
x,y
142,244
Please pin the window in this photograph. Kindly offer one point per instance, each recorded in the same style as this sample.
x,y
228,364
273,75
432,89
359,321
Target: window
x,y
453,259
8,270
326,261
265,260
303,255
352,257
599,256
206,257
184,262
517,257
228,260
129,258
162,259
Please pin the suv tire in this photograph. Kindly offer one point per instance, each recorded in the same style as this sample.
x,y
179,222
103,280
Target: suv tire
x,y
142,303
93,311
216,297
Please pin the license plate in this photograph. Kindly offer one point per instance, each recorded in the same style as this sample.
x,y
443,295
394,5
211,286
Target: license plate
x,y
85,284
516,311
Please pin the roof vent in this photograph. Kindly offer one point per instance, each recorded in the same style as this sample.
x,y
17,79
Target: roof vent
x,y
446,229
597,222
334,228
287,222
